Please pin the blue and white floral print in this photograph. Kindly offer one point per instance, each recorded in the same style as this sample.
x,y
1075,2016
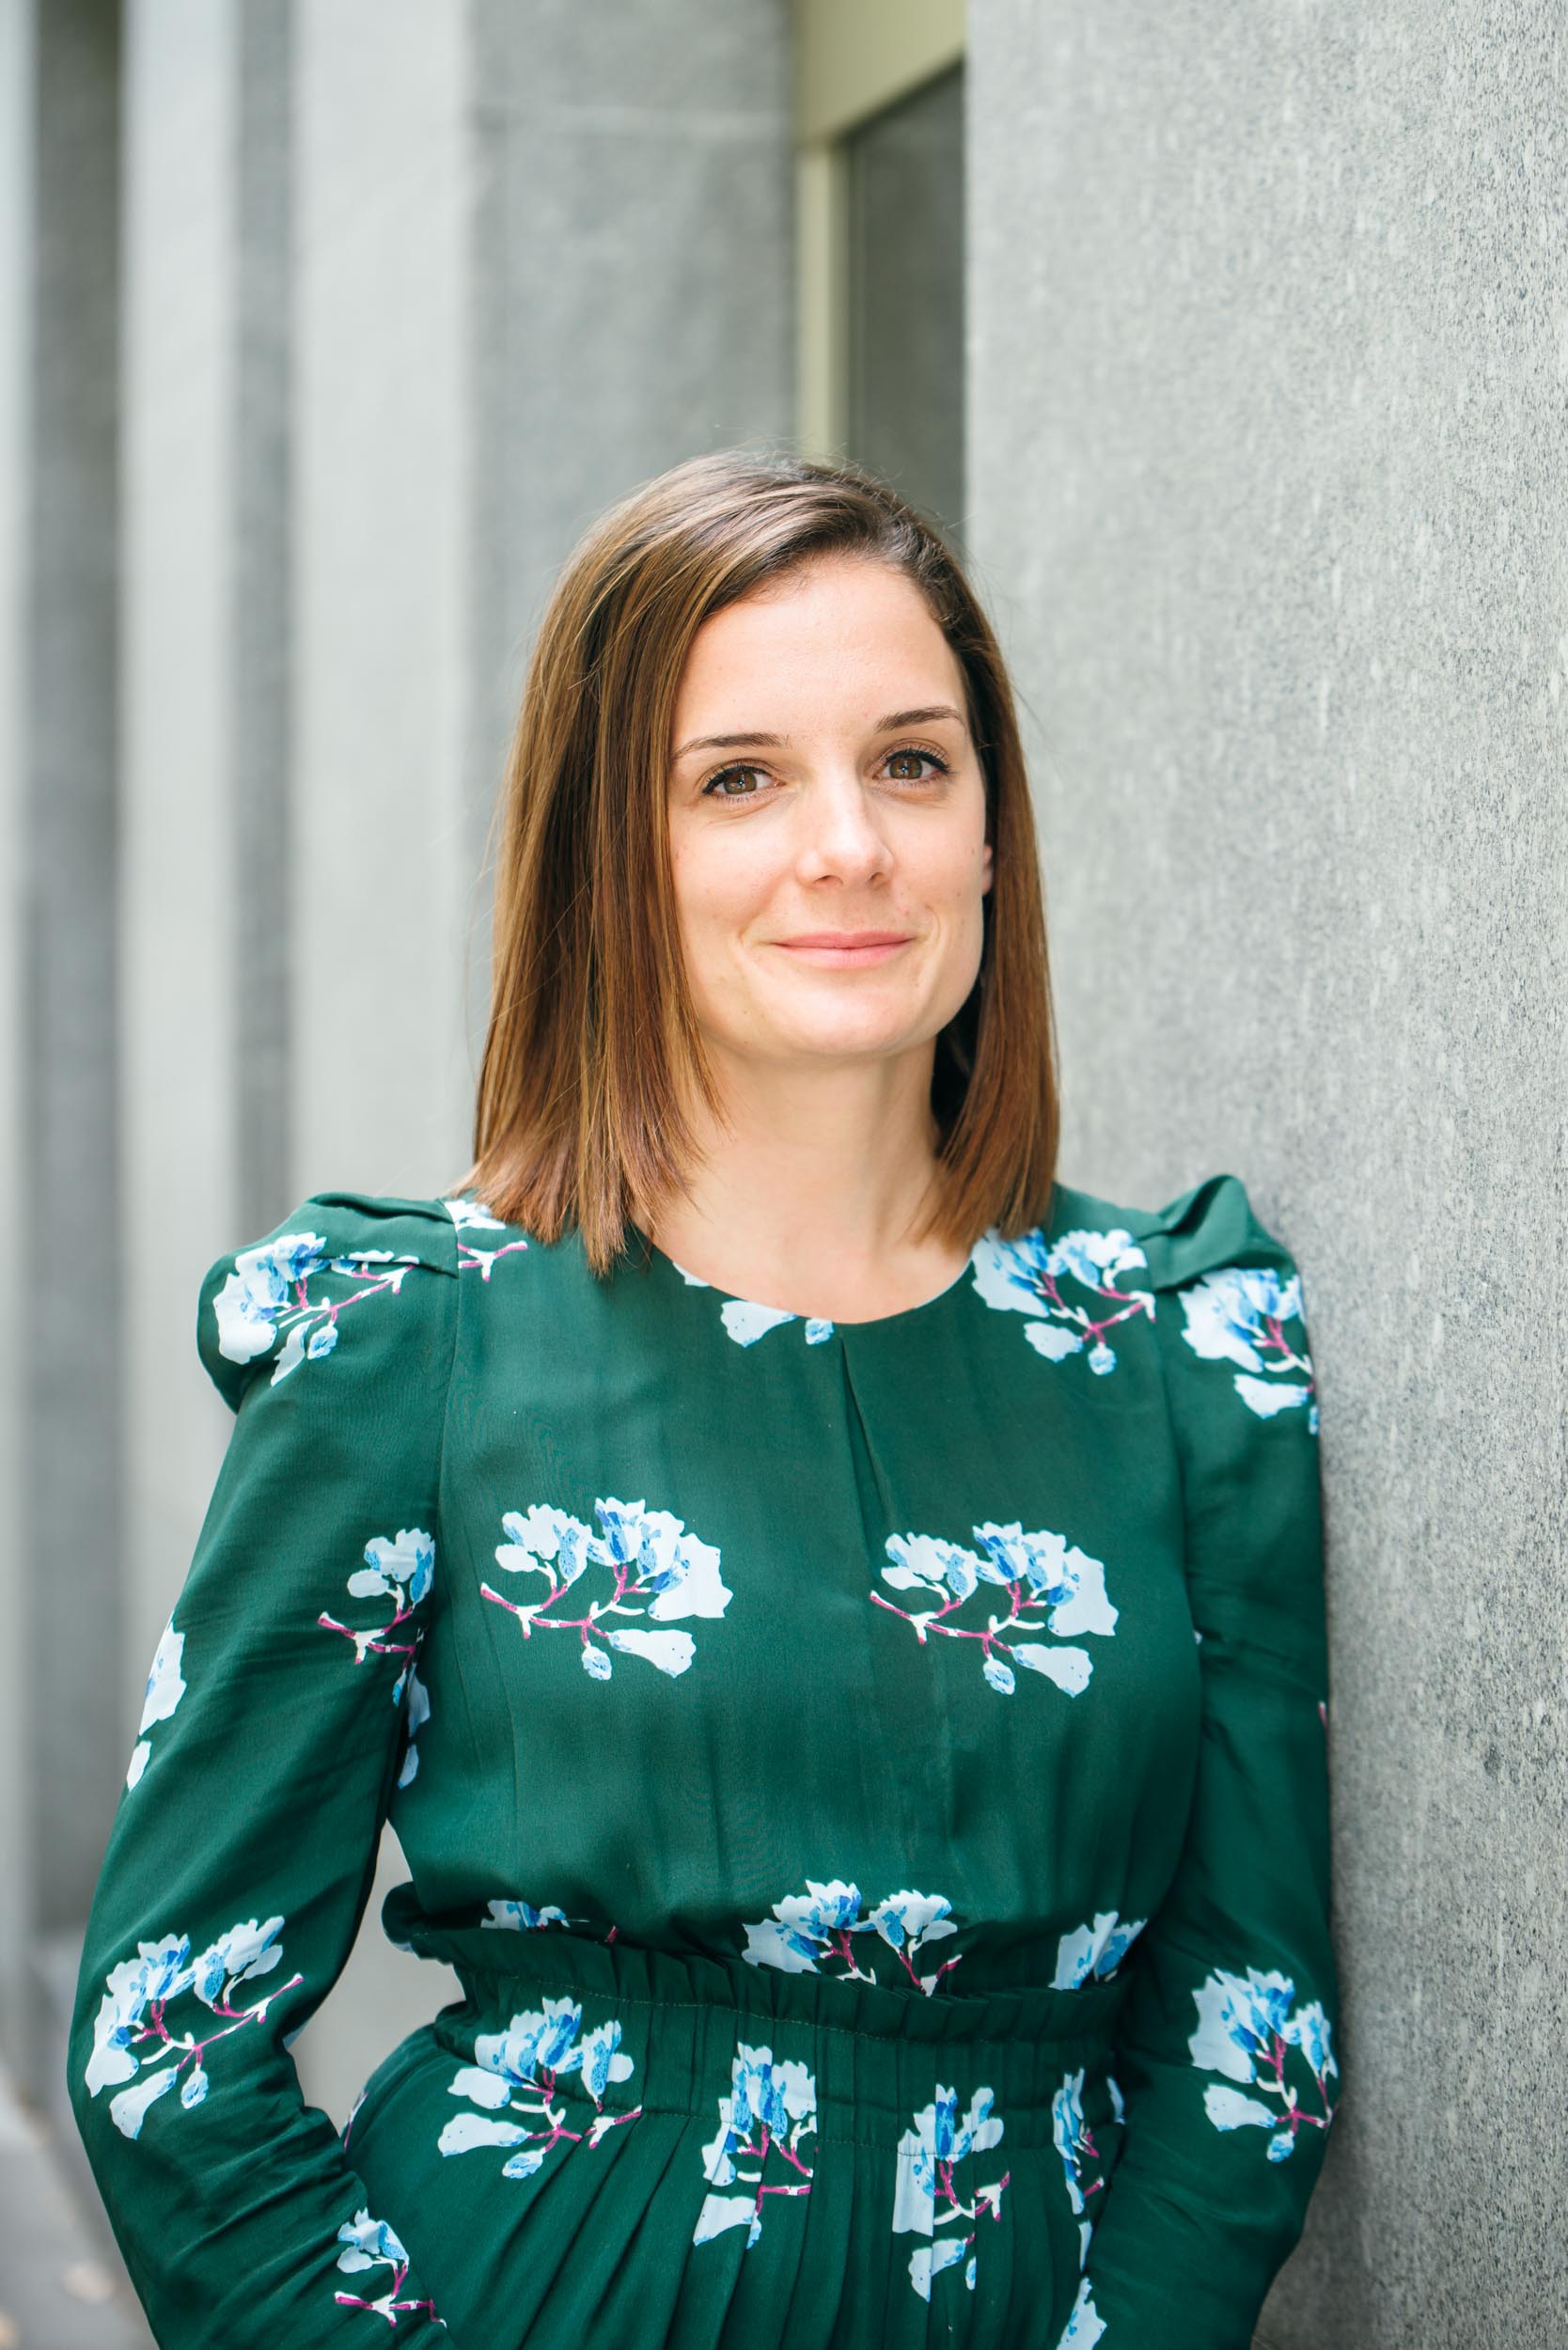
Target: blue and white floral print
x,y
1085,2326
470,1217
519,2071
771,2108
812,1933
1095,1951
1237,1315
1246,2027
746,1322
926,2201
400,1567
659,1571
1025,1276
132,2035
397,1567
519,1918
166,1686
1074,2143
269,1291
1051,1586
370,2244
416,1715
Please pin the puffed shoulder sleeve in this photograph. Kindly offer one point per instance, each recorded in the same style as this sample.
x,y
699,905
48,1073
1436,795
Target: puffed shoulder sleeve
x,y
282,1711
1227,2057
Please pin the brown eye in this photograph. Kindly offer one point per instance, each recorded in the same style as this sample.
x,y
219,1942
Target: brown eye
x,y
717,787
920,759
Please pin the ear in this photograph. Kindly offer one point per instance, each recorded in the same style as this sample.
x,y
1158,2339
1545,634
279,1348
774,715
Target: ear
x,y
987,869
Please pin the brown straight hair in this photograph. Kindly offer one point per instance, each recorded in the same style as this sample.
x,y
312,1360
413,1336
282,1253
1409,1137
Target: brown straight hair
x,y
593,1042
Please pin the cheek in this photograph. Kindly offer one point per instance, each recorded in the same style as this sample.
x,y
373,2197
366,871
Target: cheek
x,y
718,889
949,871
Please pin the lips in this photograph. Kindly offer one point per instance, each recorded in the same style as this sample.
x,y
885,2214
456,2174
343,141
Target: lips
x,y
847,939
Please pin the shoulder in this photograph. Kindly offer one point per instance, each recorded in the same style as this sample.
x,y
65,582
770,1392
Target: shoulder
x,y
1209,1227
280,1302
1222,1289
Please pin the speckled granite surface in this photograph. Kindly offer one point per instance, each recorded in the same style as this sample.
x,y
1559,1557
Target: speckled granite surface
x,y
1268,381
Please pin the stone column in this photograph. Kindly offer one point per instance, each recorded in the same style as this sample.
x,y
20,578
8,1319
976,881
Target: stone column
x,y
61,1561
1267,363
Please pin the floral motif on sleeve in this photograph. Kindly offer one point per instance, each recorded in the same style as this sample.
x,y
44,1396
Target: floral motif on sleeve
x,y
370,2244
269,1291
416,1715
771,2108
1050,1588
927,2202
658,1571
268,1294
812,1933
1246,2029
397,1567
1085,2326
166,1686
1027,1277
1238,1315
518,2073
1080,2157
1096,1950
400,1567
472,1216
131,2036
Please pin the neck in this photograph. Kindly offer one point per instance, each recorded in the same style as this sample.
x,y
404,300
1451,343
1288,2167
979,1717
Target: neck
x,y
811,1185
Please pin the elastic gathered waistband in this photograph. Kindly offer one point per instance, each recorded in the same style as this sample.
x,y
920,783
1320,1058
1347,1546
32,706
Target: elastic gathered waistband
x,y
876,2054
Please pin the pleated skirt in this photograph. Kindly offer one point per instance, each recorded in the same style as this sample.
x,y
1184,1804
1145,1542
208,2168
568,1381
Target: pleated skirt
x,y
608,2146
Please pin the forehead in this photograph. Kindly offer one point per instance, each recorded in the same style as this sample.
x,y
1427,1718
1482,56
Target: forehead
x,y
837,633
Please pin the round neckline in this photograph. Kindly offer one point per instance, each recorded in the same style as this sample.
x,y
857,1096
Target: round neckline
x,y
695,1282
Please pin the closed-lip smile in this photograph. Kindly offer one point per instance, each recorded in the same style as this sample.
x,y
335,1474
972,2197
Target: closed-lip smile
x,y
847,939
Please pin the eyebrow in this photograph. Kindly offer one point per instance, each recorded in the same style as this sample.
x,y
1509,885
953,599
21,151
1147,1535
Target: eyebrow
x,y
777,742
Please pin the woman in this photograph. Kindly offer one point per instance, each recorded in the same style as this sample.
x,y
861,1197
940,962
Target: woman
x,y
834,1615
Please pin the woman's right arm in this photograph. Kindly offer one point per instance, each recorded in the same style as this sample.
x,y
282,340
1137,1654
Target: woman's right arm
x,y
276,1724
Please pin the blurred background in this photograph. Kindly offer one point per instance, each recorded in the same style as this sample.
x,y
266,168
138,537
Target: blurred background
x,y
1232,348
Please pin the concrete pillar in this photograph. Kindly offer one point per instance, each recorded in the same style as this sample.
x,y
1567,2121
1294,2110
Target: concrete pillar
x,y
204,747
1268,352
541,255
60,1571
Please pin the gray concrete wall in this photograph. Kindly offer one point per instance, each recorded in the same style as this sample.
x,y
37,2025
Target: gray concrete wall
x,y
60,1570
16,139
1268,361
179,958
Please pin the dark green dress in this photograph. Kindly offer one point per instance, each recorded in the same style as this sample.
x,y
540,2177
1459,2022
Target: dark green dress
x,y
869,1779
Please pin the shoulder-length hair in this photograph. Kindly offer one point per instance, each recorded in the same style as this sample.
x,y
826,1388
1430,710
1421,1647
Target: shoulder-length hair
x,y
593,1040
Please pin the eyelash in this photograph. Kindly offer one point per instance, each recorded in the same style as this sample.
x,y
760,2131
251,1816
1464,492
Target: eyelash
x,y
749,767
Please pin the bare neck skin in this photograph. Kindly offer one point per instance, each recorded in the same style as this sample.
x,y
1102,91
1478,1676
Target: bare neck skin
x,y
809,1201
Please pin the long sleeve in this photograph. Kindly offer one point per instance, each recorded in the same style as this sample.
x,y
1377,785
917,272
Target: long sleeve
x,y
282,1711
1227,2058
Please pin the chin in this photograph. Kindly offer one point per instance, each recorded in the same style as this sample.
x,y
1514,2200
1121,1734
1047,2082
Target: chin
x,y
848,1041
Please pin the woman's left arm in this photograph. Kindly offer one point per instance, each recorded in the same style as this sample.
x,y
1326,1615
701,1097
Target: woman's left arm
x,y
1227,2059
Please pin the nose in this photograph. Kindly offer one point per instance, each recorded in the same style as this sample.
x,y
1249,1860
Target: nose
x,y
840,836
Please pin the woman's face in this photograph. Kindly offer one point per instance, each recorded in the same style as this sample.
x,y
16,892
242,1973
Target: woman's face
x,y
827,820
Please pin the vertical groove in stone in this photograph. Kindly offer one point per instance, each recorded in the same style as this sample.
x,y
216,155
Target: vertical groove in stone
x,y
72,1469
261,618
